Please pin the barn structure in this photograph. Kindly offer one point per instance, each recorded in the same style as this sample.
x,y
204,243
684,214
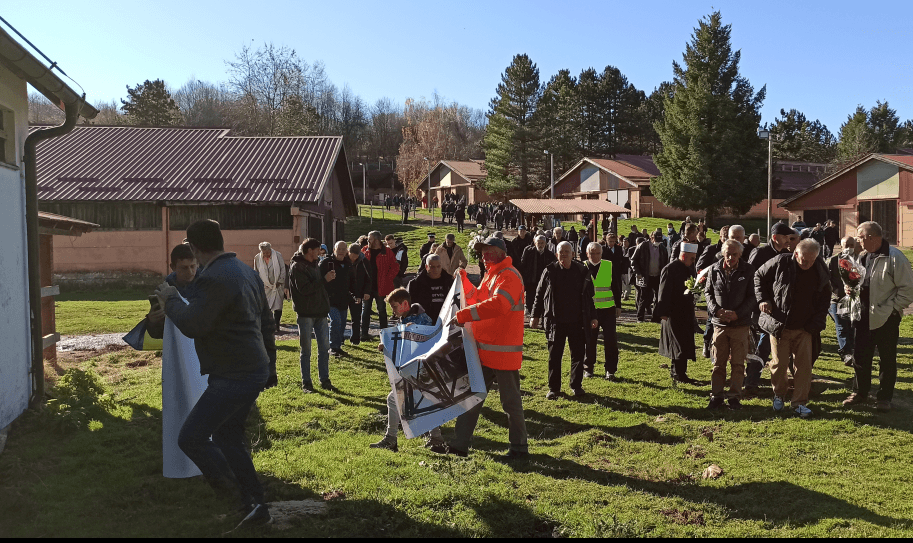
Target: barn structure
x,y
877,187
145,186
459,177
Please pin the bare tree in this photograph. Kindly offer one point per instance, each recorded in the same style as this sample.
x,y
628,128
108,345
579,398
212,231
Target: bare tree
x,y
262,80
202,103
42,111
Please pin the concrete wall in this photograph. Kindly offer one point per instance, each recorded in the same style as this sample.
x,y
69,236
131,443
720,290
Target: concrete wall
x,y
15,384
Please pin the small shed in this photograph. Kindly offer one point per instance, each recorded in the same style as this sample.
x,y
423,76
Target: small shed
x,y
50,225
566,209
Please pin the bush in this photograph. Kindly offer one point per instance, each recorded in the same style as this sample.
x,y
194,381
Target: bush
x,y
80,397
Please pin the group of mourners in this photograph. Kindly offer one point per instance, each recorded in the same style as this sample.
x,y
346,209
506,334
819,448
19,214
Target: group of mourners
x,y
762,301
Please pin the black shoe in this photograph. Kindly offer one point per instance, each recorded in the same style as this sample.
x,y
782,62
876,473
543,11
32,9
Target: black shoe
x,y
579,393
457,452
438,448
355,340
515,455
750,392
735,404
271,381
366,337
337,352
326,385
716,402
307,387
259,516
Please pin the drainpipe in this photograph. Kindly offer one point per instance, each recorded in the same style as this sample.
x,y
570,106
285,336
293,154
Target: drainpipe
x,y
31,216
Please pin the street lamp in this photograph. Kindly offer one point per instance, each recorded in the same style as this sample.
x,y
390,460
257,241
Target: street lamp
x,y
428,196
770,137
552,157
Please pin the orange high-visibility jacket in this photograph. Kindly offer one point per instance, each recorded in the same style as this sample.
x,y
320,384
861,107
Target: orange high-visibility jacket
x,y
497,320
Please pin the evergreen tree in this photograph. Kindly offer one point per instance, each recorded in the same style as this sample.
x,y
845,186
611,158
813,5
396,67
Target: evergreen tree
x,y
651,112
802,139
711,158
150,104
589,116
619,102
856,137
556,119
889,133
512,142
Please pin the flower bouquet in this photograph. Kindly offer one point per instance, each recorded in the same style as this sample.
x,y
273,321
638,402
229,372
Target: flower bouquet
x,y
852,273
696,285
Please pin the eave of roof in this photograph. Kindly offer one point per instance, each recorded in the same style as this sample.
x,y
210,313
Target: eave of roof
x,y
635,182
851,166
22,63
51,223
566,206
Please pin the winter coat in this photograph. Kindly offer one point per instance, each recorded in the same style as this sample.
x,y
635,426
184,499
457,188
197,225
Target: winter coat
x,y
773,284
544,304
401,254
309,288
891,286
641,258
518,245
532,264
229,320
676,339
451,264
361,278
733,292
387,268
339,289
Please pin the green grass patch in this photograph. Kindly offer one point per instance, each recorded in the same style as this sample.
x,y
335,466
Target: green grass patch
x,y
626,461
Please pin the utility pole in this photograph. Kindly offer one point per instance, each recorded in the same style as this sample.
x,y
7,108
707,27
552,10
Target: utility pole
x,y
428,197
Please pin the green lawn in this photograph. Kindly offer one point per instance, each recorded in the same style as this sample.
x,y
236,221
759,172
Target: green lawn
x,y
626,461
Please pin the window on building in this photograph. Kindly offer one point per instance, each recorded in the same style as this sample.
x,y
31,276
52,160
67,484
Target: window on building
x,y
8,138
884,212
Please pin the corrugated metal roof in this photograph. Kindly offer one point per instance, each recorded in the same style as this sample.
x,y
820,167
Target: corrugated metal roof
x,y
183,164
52,221
563,206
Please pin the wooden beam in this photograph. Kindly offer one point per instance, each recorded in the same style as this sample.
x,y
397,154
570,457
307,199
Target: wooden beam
x,y
50,291
50,339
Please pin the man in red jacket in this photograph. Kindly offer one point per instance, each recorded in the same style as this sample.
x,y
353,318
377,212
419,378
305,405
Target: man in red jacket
x,y
496,321
383,268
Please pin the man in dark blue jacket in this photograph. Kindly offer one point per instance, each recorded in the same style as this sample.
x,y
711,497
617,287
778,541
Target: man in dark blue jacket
x,y
730,303
232,326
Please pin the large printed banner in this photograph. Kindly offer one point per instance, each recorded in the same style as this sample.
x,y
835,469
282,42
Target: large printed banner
x,y
435,371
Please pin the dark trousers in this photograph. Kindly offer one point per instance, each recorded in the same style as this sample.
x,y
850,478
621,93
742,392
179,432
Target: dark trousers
x,y
678,369
355,310
606,318
459,225
366,312
844,327
220,413
511,402
277,316
885,339
646,296
575,336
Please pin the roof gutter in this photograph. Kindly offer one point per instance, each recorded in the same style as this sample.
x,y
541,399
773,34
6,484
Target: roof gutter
x,y
32,235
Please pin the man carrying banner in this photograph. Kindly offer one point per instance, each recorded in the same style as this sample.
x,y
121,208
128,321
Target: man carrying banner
x,y
497,325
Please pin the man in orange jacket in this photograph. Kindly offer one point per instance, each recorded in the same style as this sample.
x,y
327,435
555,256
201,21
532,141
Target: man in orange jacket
x,y
496,322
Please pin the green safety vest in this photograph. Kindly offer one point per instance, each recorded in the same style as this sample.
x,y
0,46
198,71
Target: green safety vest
x,y
603,299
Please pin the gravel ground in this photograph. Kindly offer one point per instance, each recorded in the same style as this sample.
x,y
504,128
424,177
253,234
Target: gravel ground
x,y
93,342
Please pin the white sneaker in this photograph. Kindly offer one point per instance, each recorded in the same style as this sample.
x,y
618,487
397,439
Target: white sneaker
x,y
803,412
778,403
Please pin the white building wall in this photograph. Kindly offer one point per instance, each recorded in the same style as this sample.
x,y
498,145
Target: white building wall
x,y
14,297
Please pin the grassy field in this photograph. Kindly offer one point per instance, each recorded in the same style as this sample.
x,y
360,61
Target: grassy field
x,y
625,461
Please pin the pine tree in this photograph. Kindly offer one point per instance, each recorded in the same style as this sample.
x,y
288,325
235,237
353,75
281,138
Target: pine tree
x,y
712,159
619,102
802,139
856,137
589,115
150,104
512,142
889,133
556,119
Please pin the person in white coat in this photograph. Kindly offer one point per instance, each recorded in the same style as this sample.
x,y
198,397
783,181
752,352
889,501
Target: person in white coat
x,y
270,265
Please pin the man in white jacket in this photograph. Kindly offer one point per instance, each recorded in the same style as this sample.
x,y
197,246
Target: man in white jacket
x,y
887,289
270,265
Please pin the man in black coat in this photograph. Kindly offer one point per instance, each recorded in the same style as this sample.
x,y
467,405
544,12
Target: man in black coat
x,y
430,287
708,257
360,290
517,245
564,298
690,236
426,247
535,258
730,303
649,259
675,309
613,252
794,293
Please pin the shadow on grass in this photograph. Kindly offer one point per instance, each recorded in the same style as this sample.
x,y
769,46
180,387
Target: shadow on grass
x,y
780,502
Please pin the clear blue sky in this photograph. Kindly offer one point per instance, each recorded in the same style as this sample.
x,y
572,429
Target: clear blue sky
x,y
821,57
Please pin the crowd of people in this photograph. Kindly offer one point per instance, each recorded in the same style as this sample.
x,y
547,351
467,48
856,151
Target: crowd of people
x,y
766,305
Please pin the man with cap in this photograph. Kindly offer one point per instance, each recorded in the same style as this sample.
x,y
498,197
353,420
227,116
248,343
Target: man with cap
x,y
270,266
607,301
648,261
675,309
497,325
426,248
564,297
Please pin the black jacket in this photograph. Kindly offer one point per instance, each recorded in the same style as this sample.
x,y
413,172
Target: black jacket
x,y
308,288
531,265
404,261
773,284
733,292
361,278
518,245
424,250
641,259
339,289
762,254
620,262
544,305
430,293
709,256
229,320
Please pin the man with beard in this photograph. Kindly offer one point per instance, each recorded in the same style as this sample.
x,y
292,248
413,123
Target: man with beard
x,y
675,309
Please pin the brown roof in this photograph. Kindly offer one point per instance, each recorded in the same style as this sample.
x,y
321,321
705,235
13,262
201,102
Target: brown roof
x,y
622,168
641,162
902,161
471,170
59,224
186,164
563,206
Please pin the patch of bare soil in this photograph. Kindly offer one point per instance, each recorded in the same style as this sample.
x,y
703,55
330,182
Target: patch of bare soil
x,y
684,516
